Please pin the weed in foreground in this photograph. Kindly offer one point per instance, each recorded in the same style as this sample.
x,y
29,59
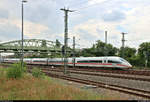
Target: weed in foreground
x,y
36,72
15,71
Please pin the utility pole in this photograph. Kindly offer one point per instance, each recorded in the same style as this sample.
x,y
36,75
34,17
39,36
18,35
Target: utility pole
x,y
105,37
106,43
74,51
22,55
123,44
66,37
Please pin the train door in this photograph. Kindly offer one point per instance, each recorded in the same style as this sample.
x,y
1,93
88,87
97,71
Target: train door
x,y
112,62
73,62
31,61
105,60
47,61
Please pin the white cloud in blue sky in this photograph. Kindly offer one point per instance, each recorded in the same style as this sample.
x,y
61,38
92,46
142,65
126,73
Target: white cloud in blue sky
x,y
44,19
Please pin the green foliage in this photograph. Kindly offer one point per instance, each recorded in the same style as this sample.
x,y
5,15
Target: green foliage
x,y
99,49
144,47
102,49
135,61
15,71
36,72
144,53
128,52
87,52
58,44
43,43
139,58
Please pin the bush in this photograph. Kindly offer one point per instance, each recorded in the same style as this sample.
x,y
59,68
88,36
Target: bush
x,y
36,72
15,71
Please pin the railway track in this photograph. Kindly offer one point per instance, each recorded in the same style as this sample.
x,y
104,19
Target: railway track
x,y
129,72
102,75
127,90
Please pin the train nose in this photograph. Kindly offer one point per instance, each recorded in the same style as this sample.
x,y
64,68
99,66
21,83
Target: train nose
x,y
130,66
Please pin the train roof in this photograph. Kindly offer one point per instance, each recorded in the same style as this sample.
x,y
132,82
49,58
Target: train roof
x,y
96,58
78,58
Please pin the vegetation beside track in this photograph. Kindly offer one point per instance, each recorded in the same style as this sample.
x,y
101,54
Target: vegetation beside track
x,y
28,87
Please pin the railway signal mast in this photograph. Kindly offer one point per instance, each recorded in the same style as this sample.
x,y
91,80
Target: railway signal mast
x,y
66,38
106,52
146,54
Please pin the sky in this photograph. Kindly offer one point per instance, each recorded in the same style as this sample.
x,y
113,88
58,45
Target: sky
x,y
43,19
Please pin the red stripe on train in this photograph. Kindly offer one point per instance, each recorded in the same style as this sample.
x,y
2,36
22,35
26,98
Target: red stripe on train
x,y
84,63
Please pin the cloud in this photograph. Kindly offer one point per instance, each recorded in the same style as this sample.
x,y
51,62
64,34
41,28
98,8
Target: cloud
x,y
132,17
93,30
85,35
45,12
121,28
93,2
31,30
44,19
137,24
114,16
8,31
4,13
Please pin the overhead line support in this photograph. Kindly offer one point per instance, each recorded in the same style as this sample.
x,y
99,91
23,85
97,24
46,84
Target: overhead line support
x,y
66,37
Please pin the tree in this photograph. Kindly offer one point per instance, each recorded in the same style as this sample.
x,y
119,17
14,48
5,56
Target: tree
x,y
58,44
103,49
99,49
87,52
43,43
144,52
128,52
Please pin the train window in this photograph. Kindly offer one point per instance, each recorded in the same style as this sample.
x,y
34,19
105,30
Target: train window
x,y
90,61
110,61
56,61
83,61
38,61
123,60
95,61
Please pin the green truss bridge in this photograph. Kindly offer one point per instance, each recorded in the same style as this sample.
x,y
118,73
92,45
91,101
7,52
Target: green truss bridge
x,y
30,45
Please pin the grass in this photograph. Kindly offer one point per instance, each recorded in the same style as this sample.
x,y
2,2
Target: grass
x,y
31,88
141,68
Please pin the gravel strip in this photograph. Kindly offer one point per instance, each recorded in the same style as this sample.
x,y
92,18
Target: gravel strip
x,y
97,72
115,81
101,73
115,95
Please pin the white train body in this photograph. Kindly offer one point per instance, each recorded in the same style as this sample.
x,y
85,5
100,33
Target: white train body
x,y
108,62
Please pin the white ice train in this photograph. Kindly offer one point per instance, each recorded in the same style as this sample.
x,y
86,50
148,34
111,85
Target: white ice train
x,y
105,62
